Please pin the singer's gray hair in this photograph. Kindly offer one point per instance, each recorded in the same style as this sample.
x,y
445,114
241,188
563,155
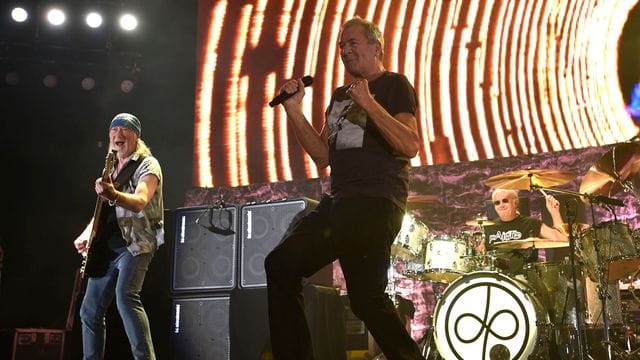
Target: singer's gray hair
x,y
374,35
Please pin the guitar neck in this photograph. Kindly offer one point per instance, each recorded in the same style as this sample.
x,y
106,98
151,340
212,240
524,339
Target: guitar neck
x,y
97,213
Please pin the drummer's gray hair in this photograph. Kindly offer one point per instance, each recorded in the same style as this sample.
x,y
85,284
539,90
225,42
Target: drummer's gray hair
x,y
513,193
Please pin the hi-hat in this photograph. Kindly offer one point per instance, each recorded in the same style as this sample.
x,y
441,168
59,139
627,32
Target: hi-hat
x,y
528,179
528,243
479,222
418,201
605,177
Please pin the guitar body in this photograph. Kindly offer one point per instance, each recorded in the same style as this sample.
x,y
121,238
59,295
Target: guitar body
x,y
96,260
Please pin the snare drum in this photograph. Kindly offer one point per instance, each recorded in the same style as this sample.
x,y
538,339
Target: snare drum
x,y
617,250
445,258
487,315
409,242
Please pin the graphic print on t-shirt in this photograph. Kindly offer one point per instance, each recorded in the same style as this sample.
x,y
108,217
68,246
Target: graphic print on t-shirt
x,y
347,122
505,236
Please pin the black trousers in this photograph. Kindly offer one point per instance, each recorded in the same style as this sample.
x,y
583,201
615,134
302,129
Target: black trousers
x,y
358,232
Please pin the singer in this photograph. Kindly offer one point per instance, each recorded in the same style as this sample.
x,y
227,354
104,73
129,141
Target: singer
x,y
369,136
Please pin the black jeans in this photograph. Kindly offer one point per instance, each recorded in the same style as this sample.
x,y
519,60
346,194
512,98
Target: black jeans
x,y
358,232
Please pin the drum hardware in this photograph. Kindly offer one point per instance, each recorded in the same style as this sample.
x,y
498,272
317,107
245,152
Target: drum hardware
x,y
479,221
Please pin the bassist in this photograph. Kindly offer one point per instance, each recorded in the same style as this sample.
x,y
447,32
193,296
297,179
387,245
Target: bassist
x,y
129,230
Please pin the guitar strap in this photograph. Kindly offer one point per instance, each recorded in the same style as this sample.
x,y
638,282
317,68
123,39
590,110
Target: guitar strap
x,y
125,175
108,216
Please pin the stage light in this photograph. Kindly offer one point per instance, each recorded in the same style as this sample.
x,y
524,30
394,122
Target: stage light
x,y
19,14
93,20
88,83
126,86
50,81
128,22
56,16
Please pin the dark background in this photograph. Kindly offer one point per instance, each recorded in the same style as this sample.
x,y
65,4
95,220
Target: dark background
x,y
53,142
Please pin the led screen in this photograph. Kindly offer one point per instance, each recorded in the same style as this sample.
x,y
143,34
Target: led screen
x,y
494,78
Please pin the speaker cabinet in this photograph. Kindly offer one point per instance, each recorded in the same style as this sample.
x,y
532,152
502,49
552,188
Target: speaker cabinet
x,y
249,324
263,227
204,249
200,328
44,344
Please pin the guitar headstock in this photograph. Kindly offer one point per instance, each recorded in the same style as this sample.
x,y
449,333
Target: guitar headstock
x,y
108,165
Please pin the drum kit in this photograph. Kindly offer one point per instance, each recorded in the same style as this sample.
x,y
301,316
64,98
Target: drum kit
x,y
482,312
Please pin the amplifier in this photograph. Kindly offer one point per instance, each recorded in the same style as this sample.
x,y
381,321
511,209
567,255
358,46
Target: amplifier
x,y
38,344
263,227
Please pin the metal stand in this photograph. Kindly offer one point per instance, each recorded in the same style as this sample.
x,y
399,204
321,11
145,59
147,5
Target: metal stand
x,y
429,350
571,214
602,292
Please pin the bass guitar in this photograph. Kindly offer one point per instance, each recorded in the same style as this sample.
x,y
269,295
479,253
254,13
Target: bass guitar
x,y
94,261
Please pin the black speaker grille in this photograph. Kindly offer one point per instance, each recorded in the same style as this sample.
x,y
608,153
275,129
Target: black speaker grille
x,y
204,249
200,328
263,227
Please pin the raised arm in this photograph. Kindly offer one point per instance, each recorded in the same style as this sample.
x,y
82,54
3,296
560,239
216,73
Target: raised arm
x,y
313,142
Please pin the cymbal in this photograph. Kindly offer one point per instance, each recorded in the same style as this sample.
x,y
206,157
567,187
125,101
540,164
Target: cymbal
x,y
418,201
578,227
524,179
479,222
615,166
529,243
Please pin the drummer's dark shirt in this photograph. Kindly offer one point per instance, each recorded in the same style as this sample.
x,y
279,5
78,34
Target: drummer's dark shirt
x,y
521,227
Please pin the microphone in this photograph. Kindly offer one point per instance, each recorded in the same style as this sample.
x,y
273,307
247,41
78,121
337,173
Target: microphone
x,y
306,80
607,200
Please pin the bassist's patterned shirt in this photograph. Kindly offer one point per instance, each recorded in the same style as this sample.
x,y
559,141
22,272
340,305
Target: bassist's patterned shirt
x,y
143,231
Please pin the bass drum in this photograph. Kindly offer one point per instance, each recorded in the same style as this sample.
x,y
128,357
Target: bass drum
x,y
487,315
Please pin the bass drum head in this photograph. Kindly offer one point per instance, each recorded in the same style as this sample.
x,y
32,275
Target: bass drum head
x,y
487,315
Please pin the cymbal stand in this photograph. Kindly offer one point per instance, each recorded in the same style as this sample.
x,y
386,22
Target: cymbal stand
x,y
429,350
571,215
628,187
602,288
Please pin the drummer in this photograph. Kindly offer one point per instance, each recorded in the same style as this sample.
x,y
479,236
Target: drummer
x,y
510,225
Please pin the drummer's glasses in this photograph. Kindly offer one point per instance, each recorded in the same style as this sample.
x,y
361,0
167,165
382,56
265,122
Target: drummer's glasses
x,y
504,201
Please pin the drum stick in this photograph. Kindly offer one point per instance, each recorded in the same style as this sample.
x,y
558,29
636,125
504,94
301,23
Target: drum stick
x,y
543,193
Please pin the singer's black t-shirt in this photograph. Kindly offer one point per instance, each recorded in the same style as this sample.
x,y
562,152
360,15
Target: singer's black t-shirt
x,y
362,162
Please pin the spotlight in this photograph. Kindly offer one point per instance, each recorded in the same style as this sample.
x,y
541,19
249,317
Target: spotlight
x,y
93,20
88,83
50,81
128,22
126,86
19,14
56,17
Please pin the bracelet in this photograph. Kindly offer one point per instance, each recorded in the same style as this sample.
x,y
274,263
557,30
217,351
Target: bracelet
x,y
115,201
